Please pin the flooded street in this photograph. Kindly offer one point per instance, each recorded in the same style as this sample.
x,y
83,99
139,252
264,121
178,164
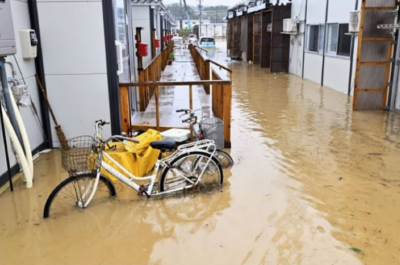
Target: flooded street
x,y
314,184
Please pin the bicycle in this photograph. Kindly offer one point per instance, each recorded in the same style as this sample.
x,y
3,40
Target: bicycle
x,y
189,166
224,158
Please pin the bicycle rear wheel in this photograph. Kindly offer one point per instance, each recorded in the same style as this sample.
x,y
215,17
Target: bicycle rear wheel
x,y
192,169
73,192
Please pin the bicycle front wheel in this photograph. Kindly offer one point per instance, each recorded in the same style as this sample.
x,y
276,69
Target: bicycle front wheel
x,y
192,169
73,193
224,158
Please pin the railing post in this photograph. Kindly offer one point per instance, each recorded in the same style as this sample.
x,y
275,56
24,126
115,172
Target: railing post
x,y
157,110
226,115
125,109
190,97
206,76
142,92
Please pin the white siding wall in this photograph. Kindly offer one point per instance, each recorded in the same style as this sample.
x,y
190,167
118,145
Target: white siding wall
x,y
337,69
21,20
141,18
74,55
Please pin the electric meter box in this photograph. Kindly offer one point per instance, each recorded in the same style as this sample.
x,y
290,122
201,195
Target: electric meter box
x,y
29,43
7,37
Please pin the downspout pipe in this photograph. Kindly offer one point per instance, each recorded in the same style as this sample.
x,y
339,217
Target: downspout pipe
x,y
304,41
7,100
3,130
325,37
352,56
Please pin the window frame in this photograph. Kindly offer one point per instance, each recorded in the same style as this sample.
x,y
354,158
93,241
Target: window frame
x,y
320,46
339,38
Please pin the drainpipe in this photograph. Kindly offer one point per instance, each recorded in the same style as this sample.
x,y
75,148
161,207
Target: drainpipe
x,y
304,41
5,138
7,100
352,57
325,34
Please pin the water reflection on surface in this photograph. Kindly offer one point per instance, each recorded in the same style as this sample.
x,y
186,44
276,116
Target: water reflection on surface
x,y
312,180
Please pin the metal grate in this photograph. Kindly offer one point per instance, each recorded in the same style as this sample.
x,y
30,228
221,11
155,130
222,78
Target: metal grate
x,y
374,51
381,3
369,101
372,77
373,18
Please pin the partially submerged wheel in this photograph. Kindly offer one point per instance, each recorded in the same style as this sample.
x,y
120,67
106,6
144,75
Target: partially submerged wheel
x,y
72,193
192,169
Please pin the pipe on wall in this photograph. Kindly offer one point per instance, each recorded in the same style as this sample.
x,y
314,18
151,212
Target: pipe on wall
x,y
352,56
325,37
7,100
304,41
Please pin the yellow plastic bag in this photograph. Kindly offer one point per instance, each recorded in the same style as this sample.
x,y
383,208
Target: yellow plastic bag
x,y
138,159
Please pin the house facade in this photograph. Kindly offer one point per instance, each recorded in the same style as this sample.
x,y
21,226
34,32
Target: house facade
x,y
85,49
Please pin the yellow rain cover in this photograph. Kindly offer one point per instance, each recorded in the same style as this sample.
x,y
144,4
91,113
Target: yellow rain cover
x,y
138,159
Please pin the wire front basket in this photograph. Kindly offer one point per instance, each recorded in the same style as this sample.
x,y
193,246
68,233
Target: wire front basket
x,y
213,129
81,156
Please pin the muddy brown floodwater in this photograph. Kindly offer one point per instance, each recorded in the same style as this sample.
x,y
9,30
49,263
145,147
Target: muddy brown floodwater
x,y
314,183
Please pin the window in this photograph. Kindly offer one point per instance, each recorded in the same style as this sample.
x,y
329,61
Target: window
x,y
313,34
333,37
316,35
344,45
338,42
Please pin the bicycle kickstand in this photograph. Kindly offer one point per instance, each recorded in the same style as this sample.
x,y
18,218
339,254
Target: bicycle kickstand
x,y
142,190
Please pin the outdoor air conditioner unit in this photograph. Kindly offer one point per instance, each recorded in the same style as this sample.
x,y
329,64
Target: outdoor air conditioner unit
x,y
354,22
290,26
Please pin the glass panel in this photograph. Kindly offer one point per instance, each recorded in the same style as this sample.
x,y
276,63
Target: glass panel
x,y
313,38
321,39
333,37
344,46
121,35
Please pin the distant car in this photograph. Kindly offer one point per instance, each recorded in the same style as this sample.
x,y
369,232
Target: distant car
x,y
177,40
192,38
207,43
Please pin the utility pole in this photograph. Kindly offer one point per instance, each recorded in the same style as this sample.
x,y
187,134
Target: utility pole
x,y
181,18
200,7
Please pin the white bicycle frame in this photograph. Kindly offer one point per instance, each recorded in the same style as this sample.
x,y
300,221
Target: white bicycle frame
x,y
129,179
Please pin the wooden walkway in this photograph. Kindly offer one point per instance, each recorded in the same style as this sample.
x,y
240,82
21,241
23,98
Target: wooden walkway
x,y
173,98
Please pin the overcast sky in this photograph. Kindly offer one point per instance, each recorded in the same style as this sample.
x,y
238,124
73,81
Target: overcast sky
x,y
204,2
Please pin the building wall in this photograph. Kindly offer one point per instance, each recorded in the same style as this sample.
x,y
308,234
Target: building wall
x,y
335,72
141,18
21,19
75,64
214,30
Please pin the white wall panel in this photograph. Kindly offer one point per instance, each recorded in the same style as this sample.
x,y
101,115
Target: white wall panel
x,y
75,64
72,37
336,75
313,67
316,11
339,10
78,101
141,18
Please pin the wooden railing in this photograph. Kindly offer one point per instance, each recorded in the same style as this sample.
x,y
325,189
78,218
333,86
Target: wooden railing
x,y
152,73
223,93
212,74
203,64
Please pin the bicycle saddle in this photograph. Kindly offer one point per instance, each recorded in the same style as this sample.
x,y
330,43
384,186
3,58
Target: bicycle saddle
x,y
163,145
